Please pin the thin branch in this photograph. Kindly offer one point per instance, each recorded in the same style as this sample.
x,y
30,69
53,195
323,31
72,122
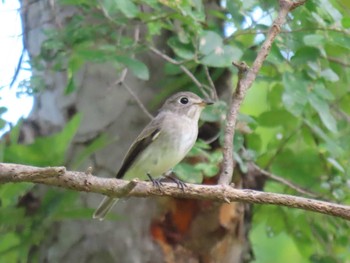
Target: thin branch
x,y
303,29
211,83
244,83
84,181
282,145
138,101
296,4
285,182
338,61
213,138
281,180
121,80
18,68
341,113
183,68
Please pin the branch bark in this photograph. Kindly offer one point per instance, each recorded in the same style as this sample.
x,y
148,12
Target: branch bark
x,y
86,182
245,81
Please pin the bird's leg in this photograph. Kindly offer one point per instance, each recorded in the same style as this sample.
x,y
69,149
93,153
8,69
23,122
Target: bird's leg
x,y
180,184
156,182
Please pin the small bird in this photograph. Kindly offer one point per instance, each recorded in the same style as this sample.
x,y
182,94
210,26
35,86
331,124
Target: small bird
x,y
162,144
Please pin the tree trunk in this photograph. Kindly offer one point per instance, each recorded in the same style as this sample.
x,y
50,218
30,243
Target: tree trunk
x,y
147,230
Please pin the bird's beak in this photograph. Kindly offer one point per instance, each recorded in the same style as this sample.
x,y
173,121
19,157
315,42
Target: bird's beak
x,y
204,103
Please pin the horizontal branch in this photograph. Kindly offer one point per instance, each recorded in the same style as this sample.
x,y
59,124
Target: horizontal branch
x,y
80,181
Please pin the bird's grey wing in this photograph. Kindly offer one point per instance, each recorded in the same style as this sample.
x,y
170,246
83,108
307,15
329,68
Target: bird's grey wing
x,y
146,137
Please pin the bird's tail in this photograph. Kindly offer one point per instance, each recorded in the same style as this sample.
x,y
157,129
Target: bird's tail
x,y
105,206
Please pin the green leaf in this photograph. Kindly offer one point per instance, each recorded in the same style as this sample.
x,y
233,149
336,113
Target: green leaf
x,y
275,223
241,163
12,240
216,157
188,173
329,75
154,28
209,42
202,144
97,144
208,169
44,151
330,145
305,54
74,64
12,216
322,92
313,40
345,22
317,258
85,53
128,8
76,213
138,68
296,166
215,112
275,118
295,95
10,193
238,141
185,51
274,97
70,87
322,109
222,56
110,7
336,164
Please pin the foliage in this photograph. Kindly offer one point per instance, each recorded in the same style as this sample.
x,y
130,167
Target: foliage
x,y
297,112
24,218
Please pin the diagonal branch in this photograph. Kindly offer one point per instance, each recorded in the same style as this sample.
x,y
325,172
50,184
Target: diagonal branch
x,y
245,81
80,181
285,182
183,68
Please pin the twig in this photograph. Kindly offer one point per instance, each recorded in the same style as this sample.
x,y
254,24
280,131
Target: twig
x,y
281,146
121,80
80,181
18,68
245,83
138,101
255,32
341,113
211,83
212,139
183,68
285,182
297,4
338,61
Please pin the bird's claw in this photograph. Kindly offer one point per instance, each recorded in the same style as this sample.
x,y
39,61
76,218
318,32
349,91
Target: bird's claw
x,y
180,184
156,182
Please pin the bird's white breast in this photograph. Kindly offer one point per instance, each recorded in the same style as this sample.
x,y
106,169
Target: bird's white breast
x,y
175,140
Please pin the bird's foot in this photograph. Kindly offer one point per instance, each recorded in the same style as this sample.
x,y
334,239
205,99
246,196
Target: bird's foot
x,y
180,184
156,182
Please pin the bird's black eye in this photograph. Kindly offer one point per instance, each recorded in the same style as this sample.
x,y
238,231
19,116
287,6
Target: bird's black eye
x,y
184,100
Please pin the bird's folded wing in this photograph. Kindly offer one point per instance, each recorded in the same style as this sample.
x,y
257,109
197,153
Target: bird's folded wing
x,y
149,134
